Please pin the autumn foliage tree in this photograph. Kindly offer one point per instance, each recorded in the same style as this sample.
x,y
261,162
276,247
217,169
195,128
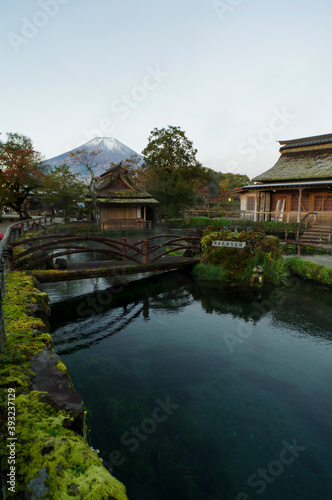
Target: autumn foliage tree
x,y
230,181
218,193
20,171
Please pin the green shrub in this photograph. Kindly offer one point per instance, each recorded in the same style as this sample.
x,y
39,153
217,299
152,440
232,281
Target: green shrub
x,y
307,250
206,221
232,223
288,249
175,252
234,260
175,223
238,263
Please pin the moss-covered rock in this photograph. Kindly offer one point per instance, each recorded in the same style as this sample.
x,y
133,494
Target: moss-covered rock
x,y
61,366
51,460
72,467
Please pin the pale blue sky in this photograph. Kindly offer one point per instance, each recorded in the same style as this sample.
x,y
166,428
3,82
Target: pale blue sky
x,y
235,75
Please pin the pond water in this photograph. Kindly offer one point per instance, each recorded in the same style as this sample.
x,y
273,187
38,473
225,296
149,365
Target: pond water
x,y
202,392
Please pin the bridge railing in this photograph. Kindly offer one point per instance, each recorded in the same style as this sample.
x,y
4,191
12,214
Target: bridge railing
x,y
13,232
67,244
175,243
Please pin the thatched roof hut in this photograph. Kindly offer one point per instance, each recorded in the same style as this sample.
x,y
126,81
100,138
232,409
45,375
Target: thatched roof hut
x,y
300,182
302,159
122,204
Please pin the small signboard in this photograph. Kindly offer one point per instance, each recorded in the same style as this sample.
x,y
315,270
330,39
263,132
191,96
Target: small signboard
x,y
229,244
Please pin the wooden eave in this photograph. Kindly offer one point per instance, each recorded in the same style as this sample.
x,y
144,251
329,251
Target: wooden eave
x,y
273,186
127,201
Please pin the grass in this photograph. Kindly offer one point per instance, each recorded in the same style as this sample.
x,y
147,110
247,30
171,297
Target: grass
x,y
210,272
310,270
276,270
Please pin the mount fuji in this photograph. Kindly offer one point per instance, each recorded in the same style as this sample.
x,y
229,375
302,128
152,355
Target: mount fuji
x,y
111,151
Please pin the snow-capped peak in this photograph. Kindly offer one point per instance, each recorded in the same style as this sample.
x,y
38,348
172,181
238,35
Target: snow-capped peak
x,y
110,151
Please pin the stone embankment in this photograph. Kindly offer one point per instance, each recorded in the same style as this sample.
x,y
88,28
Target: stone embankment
x,y
48,456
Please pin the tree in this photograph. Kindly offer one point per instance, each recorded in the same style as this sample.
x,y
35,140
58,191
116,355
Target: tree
x,y
226,198
86,159
4,191
20,171
173,174
231,181
134,169
89,160
64,190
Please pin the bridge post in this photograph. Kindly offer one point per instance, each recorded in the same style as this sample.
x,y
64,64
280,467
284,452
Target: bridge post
x,y
10,260
146,251
124,248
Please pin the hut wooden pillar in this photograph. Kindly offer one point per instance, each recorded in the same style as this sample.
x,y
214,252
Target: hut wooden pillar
x,y
299,205
256,206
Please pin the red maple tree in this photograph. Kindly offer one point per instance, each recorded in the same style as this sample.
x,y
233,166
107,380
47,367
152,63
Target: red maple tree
x,y
20,171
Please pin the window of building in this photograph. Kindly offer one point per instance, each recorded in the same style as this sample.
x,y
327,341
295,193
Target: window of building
x,y
251,202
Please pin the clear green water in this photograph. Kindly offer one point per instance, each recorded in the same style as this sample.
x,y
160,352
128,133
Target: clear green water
x,y
199,392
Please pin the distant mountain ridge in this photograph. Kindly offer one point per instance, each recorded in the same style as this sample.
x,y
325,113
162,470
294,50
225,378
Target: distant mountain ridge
x,y
112,151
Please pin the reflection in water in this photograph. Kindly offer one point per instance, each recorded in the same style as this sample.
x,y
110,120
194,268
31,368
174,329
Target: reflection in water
x,y
241,374
77,337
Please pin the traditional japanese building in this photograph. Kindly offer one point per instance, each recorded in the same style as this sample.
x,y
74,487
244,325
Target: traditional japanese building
x,y
121,204
299,183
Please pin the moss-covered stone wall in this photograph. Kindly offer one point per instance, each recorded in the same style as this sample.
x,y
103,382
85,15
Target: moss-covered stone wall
x,y
47,459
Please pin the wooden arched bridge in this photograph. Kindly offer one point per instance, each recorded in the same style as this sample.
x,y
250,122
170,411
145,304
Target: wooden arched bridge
x,y
145,255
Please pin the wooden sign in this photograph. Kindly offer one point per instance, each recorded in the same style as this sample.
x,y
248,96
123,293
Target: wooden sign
x,y
229,244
